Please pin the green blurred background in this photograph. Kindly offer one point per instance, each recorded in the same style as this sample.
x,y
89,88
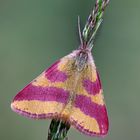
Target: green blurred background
x,y
35,33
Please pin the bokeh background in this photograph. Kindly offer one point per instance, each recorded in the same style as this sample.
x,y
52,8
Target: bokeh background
x,y
35,33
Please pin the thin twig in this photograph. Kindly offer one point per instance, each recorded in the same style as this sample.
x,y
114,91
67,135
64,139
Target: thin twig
x,y
94,21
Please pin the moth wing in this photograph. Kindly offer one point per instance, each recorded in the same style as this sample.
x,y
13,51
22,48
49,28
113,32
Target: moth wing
x,y
44,97
89,114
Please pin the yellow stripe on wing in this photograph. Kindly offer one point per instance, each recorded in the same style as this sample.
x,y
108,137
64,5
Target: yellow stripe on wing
x,y
84,121
38,107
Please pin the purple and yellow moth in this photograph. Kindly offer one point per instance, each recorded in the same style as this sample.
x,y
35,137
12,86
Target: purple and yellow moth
x,y
71,89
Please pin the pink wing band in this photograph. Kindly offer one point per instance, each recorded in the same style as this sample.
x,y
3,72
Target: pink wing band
x,y
31,92
54,75
93,110
92,88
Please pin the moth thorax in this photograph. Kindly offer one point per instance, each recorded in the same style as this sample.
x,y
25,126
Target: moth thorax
x,y
81,60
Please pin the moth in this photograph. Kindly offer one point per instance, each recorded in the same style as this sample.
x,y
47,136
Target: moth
x,y
69,90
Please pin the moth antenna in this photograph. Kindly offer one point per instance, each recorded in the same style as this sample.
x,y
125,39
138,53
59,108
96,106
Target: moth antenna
x,y
79,29
91,40
91,46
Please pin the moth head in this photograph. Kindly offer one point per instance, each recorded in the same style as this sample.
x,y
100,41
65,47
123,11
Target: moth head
x,y
81,59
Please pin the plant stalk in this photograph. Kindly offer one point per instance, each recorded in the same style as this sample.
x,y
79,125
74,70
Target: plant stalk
x,y
58,130
94,20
